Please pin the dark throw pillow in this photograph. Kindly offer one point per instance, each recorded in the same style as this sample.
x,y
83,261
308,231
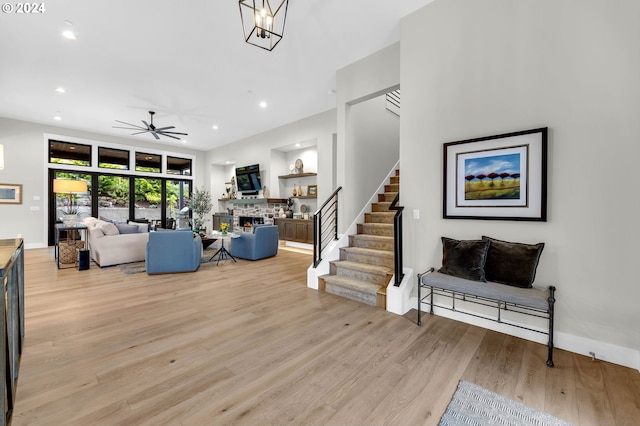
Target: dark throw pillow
x,y
512,263
464,258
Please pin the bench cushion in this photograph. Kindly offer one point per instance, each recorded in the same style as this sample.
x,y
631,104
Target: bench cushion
x,y
530,297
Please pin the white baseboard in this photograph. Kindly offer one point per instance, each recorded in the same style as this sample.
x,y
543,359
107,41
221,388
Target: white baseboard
x,y
580,345
299,245
35,246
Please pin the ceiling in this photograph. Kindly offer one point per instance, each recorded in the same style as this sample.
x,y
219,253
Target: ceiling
x,y
187,61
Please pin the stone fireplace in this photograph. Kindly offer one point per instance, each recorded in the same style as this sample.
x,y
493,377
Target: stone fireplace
x,y
257,211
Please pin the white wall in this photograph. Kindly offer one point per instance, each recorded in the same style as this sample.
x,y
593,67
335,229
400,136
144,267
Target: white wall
x,y
26,164
362,81
472,69
372,149
260,149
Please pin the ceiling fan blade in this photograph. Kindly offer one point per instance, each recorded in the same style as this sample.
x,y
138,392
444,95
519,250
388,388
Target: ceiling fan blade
x,y
169,136
129,124
130,128
174,133
146,124
160,129
137,133
155,135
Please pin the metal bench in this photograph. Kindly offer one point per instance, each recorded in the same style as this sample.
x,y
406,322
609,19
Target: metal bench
x,y
527,301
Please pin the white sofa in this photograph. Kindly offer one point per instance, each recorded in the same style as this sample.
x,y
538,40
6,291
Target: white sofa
x,y
110,245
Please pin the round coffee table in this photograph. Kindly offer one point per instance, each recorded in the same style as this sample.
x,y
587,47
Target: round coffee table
x,y
222,253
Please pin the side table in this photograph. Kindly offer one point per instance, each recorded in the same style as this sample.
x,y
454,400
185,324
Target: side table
x,y
71,231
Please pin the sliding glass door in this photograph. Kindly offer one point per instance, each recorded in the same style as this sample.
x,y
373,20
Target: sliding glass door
x,y
113,197
120,198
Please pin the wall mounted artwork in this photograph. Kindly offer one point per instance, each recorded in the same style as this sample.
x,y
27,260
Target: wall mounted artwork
x,y
500,177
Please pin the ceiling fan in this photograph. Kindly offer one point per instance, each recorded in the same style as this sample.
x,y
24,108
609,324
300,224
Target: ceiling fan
x,y
150,128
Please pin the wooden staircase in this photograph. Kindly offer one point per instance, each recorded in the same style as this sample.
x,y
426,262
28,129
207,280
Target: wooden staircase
x,y
365,267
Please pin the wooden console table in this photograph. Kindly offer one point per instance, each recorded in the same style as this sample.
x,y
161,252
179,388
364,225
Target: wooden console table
x,y
12,319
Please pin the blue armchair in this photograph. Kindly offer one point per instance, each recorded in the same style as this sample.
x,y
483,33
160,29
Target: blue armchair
x,y
173,251
263,242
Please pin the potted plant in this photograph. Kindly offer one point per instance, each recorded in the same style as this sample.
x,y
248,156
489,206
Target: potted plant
x,y
201,206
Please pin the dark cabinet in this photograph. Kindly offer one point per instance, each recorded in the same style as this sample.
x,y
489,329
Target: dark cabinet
x,y
298,230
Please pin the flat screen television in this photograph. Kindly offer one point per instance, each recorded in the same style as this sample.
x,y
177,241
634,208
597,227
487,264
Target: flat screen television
x,y
248,179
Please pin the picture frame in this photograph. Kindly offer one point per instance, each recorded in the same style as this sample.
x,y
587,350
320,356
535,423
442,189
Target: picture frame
x,y
312,190
10,193
499,177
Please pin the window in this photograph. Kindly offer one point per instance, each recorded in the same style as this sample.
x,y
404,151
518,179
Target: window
x,y
113,197
148,162
148,199
69,153
178,166
110,158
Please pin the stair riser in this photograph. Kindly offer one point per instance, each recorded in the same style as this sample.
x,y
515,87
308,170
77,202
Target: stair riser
x,y
392,188
386,261
355,241
394,180
387,197
360,275
378,217
380,207
375,229
369,299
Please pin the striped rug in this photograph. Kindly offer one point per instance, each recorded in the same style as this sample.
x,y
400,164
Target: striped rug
x,y
474,405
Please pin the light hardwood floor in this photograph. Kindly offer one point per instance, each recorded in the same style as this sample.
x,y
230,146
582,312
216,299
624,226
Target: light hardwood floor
x,y
249,344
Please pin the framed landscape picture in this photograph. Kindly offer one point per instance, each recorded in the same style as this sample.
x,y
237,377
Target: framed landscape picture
x,y
501,177
10,193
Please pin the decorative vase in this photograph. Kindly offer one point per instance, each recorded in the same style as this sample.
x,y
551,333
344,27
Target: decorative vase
x,y
295,191
70,219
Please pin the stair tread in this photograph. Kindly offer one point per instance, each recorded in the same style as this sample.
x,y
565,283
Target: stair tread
x,y
363,286
369,251
362,266
374,237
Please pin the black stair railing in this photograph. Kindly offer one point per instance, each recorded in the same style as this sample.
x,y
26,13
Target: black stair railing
x,y
325,226
397,240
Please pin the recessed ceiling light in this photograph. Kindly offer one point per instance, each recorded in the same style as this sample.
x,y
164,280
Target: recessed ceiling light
x,y
297,145
61,90
227,162
57,118
215,127
69,35
263,104
184,141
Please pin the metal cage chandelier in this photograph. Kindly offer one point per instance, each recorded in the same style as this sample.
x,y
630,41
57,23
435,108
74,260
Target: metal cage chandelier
x,y
262,24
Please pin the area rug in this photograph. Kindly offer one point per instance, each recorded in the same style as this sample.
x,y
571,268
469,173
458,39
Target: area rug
x,y
474,405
